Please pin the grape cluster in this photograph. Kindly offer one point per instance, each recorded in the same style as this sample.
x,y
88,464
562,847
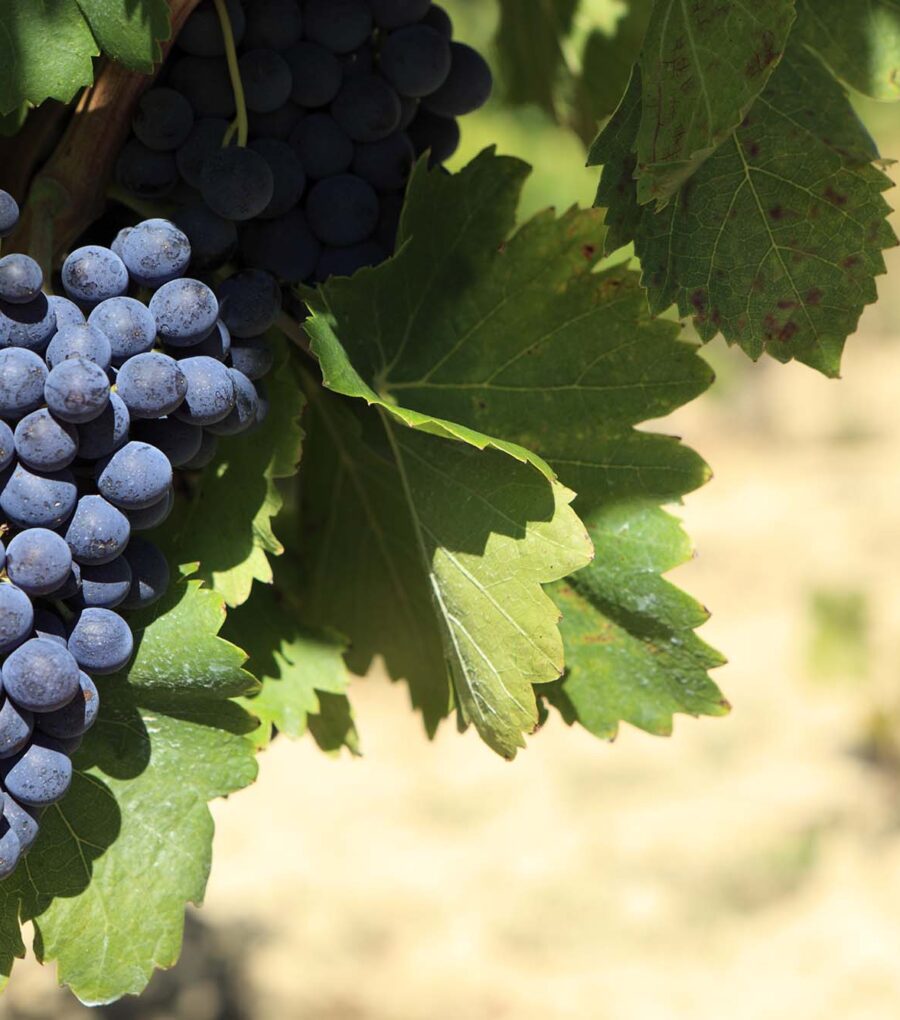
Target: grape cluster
x,y
95,413
342,96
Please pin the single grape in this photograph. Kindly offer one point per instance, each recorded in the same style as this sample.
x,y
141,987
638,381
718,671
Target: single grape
x,y
216,345
38,561
29,325
237,184
339,25
10,849
155,252
416,60
367,108
135,477
16,725
409,107
210,392
178,440
285,247
467,87
146,173
105,586
22,820
32,500
277,124
45,444
273,24
437,18
75,718
315,73
206,455
341,210
67,312
150,574
21,279
253,356
7,445
9,214
98,532
16,616
38,776
185,311
266,78
386,165
439,134
213,240
163,119
358,61
128,325
22,378
204,140
152,516
288,179
106,433
80,341
40,676
394,13
76,390
250,302
101,642
246,405
205,84
118,243
202,32
92,274
151,384
324,147
346,261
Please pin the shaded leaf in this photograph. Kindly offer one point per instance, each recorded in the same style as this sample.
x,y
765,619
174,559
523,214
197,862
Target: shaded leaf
x,y
703,64
859,42
776,241
129,31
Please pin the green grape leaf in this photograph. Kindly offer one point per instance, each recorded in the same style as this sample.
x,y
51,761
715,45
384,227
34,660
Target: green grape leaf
x,y
118,859
432,553
776,241
296,664
239,494
46,52
127,31
859,42
703,65
606,64
529,46
516,337
631,651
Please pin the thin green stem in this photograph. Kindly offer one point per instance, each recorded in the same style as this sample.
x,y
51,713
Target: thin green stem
x,y
234,72
230,133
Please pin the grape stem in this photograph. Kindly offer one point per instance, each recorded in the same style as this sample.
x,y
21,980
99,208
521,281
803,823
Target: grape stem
x,y
147,210
234,73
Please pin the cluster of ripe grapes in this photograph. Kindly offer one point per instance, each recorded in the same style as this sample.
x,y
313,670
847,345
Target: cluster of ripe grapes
x,y
341,97
95,413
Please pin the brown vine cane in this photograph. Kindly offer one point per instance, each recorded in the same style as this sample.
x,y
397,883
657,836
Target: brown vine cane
x,y
68,192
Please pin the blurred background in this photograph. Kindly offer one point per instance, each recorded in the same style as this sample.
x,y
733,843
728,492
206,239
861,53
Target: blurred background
x,y
747,867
